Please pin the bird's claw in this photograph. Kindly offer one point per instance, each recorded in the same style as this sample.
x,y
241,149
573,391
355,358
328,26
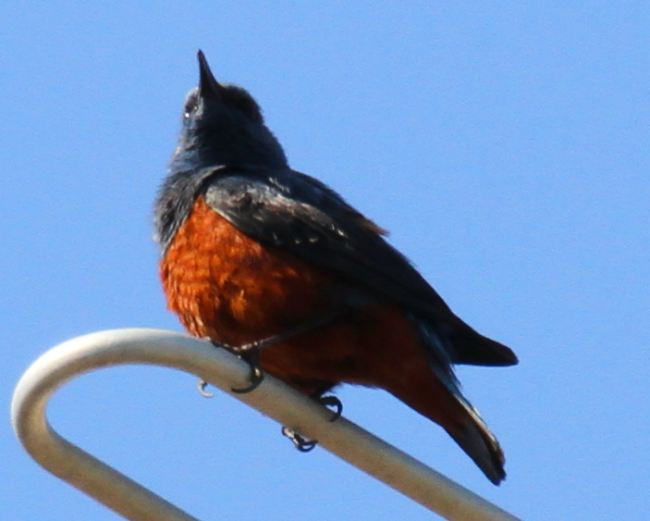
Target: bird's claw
x,y
331,401
202,385
252,358
302,444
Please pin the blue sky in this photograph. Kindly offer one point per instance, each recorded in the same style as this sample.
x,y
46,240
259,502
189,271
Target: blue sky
x,y
506,147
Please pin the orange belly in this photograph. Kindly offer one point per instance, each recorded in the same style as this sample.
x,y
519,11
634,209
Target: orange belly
x,y
225,286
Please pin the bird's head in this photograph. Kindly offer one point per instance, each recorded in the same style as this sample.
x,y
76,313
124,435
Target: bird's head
x,y
223,125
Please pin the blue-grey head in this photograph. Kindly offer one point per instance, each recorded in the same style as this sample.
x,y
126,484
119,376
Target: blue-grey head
x,y
223,125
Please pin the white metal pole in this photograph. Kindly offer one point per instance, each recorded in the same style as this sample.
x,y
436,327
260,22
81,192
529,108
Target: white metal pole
x,y
221,369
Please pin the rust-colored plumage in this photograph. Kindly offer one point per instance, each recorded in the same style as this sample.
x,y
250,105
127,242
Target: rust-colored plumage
x,y
234,290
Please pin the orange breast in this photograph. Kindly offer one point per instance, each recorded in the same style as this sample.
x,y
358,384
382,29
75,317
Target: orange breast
x,y
230,288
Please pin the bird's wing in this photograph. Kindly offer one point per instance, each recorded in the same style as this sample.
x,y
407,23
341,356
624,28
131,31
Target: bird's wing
x,y
299,213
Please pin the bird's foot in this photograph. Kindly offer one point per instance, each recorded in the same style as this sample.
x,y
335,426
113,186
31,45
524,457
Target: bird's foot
x,y
331,401
250,353
300,442
252,358
256,375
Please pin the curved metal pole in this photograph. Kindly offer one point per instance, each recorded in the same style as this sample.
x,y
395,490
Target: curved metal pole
x,y
221,369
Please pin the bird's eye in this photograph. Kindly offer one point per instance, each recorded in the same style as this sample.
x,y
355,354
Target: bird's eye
x,y
191,101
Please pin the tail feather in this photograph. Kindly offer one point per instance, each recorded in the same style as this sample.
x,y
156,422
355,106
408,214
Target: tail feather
x,y
472,348
441,401
433,390
480,444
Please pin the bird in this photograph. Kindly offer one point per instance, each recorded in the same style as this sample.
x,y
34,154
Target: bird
x,y
277,267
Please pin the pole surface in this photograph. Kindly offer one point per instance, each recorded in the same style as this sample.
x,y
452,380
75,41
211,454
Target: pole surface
x,y
225,371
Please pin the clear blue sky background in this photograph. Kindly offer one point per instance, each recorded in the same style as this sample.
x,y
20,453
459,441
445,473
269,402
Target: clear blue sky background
x,y
505,145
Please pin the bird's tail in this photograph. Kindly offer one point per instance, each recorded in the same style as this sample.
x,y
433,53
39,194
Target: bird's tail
x,y
434,400
480,444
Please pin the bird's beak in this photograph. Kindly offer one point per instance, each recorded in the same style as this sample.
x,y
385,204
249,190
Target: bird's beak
x,y
209,87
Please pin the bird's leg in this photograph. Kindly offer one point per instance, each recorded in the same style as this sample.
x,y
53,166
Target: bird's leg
x,y
250,352
317,321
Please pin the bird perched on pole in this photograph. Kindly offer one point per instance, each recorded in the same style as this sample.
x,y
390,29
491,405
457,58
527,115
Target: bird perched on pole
x,y
279,268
